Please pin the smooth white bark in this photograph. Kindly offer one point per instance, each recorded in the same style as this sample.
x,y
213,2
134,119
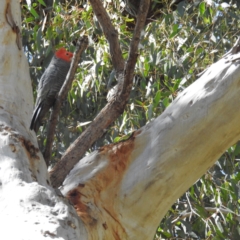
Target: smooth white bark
x,y
128,187
29,207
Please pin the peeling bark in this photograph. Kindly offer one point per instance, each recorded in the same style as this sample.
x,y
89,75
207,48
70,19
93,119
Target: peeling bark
x,y
128,187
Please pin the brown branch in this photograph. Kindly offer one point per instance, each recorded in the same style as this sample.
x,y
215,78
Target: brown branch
x,y
133,51
81,46
111,35
117,104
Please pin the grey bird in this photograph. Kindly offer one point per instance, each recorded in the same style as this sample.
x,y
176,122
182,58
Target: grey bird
x,y
50,85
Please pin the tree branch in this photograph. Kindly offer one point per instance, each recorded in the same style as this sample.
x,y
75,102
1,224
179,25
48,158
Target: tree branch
x,y
116,106
110,33
133,51
81,46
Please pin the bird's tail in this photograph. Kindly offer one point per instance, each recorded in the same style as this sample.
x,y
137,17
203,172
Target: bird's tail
x,y
35,121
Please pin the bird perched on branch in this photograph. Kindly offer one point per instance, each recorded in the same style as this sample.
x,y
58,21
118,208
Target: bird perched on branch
x,y
50,85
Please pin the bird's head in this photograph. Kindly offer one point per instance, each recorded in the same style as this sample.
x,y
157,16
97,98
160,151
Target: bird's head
x,y
63,54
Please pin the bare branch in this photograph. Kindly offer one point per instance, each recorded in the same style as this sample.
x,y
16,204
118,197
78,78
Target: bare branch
x,y
111,35
133,51
81,46
116,106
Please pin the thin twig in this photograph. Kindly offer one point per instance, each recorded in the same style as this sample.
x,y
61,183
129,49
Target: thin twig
x,y
134,45
81,46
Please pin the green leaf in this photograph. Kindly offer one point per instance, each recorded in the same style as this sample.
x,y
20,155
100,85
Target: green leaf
x,y
157,99
202,8
116,139
42,2
33,12
175,30
39,39
150,112
237,149
29,19
165,102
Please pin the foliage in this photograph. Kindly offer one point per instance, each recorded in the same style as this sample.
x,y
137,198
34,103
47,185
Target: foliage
x,y
175,48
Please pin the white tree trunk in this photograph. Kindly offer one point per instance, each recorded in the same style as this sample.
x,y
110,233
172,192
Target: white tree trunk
x,y
29,207
125,189
121,191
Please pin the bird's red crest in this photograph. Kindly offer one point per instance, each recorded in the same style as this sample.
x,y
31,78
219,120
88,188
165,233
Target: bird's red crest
x,y
63,54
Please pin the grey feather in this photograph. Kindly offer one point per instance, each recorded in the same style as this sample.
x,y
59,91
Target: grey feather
x,y
48,88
